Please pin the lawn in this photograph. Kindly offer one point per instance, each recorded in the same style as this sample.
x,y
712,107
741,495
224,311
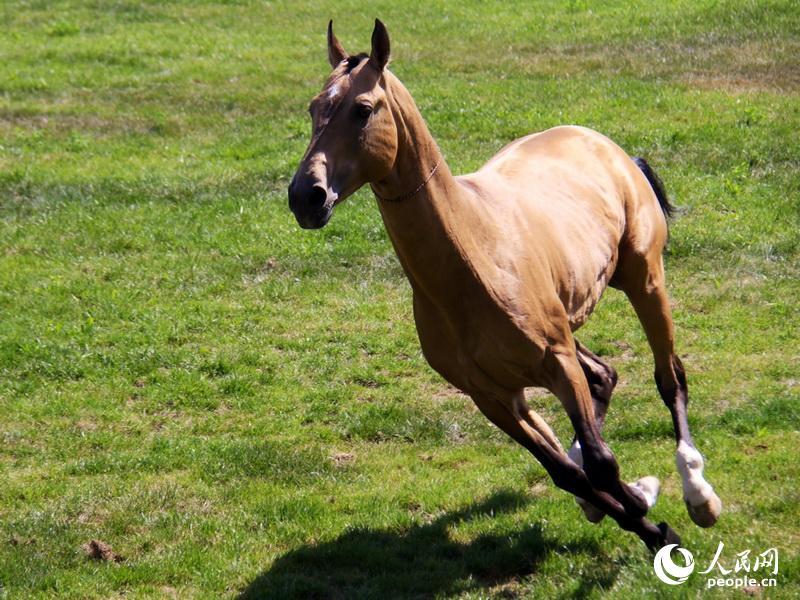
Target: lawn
x,y
239,407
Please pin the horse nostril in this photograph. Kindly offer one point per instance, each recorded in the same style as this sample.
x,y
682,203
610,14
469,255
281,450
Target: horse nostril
x,y
317,197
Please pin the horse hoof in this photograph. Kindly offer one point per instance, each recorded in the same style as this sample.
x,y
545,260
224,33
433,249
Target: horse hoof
x,y
670,537
707,513
667,536
649,487
592,513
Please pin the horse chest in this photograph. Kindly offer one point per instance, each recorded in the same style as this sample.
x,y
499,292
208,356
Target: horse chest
x,y
474,349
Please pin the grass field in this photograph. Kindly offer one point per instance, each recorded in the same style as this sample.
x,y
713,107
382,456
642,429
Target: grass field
x,y
240,407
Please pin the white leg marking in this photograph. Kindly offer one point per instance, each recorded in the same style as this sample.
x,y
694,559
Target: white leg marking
x,y
594,515
703,504
575,453
696,490
649,486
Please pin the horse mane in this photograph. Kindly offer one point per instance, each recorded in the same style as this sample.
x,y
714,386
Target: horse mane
x,y
355,60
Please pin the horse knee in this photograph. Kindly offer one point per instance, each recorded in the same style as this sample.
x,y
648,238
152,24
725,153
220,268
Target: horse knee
x,y
603,387
570,478
601,377
601,467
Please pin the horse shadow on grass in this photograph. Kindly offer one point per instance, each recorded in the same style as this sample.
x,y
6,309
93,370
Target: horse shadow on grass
x,y
423,561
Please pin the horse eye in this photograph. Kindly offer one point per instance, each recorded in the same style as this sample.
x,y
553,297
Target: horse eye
x,y
363,111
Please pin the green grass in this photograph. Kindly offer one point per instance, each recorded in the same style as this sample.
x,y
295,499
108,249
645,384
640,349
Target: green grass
x,y
240,406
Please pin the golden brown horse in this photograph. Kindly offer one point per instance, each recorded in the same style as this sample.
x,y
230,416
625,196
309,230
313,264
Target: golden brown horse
x,y
506,263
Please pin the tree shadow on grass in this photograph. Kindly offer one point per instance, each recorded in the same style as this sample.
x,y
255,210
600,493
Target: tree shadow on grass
x,y
422,561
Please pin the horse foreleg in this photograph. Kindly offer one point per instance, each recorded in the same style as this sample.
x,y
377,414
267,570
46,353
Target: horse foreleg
x,y
513,416
568,382
602,378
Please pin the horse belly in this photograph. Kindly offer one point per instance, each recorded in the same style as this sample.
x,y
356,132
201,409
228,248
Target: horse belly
x,y
584,279
585,225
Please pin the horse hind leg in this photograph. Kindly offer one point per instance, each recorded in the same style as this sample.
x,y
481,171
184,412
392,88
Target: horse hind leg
x,y
644,286
602,378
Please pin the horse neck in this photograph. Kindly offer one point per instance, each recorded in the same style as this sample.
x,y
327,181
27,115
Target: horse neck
x,y
422,226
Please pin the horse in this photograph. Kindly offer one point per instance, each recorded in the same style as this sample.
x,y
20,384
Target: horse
x,y
506,264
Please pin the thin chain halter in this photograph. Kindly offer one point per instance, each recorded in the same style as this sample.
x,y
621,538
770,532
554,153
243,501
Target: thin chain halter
x,y
413,192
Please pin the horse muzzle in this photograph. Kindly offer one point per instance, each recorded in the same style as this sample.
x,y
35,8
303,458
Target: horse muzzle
x,y
311,203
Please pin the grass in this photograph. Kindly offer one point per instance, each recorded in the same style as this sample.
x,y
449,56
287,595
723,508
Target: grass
x,y
240,407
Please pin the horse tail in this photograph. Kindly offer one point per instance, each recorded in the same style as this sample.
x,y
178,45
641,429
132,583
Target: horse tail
x,y
657,185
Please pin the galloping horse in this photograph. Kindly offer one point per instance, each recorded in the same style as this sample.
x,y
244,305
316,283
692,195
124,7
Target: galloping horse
x,y
506,263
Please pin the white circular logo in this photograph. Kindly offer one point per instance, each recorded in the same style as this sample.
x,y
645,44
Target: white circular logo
x,y
666,569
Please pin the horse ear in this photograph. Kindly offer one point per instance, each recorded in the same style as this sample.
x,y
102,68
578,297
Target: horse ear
x,y
336,52
379,55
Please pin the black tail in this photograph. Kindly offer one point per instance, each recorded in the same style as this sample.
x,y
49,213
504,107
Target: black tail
x,y
656,184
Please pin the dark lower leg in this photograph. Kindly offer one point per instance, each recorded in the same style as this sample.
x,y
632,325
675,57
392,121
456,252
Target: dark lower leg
x,y
602,470
570,385
602,378
671,384
571,478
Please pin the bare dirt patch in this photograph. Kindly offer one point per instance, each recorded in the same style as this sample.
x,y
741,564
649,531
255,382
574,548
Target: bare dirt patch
x,y
446,393
15,540
342,459
262,274
99,550
62,122
727,64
